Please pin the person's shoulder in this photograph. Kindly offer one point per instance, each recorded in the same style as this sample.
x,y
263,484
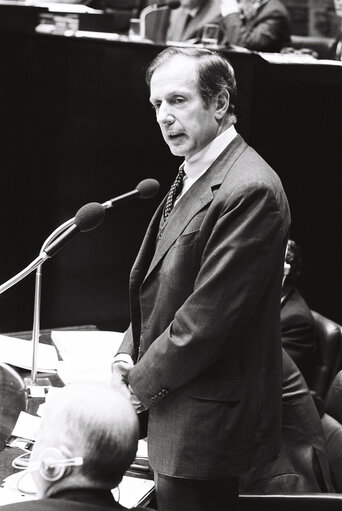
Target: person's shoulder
x,y
59,504
32,505
277,6
295,305
252,171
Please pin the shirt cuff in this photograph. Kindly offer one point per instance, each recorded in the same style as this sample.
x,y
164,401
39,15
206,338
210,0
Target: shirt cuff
x,y
229,7
122,357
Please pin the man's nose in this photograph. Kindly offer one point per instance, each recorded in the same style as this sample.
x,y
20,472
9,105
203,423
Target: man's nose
x,y
165,115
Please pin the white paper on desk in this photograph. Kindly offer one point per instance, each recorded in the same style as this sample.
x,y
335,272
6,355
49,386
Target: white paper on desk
x,y
18,352
85,344
79,370
142,451
133,490
26,426
87,355
10,496
26,484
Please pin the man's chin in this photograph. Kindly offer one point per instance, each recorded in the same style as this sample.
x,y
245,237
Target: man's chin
x,y
177,151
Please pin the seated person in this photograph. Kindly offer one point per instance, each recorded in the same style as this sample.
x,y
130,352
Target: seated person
x,y
302,465
297,323
96,423
261,25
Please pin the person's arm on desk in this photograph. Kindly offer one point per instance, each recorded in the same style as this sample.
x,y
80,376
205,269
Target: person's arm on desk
x,y
231,23
262,27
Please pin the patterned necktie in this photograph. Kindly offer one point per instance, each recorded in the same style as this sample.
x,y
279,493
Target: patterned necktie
x,y
175,190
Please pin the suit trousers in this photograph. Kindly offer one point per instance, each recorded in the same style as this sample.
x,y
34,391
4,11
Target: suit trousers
x,y
178,494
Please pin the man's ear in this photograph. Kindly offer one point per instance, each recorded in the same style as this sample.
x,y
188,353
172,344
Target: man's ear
x,y
222,104
52,461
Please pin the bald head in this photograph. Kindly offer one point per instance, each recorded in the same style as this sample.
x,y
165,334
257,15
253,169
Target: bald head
x,y
96,422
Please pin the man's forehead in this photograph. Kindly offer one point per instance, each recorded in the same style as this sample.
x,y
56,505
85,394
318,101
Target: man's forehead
x,y
178,71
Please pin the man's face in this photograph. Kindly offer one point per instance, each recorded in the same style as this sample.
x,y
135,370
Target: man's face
x,y
187,125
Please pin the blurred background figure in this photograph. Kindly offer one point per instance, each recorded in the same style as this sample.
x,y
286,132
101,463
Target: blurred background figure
x,y
261,25
302,465
297,323
93,428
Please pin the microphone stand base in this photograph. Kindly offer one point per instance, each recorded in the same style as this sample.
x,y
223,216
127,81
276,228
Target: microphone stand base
x,y
42,381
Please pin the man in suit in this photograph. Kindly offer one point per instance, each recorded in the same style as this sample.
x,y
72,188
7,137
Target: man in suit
x,y
203,349
298,334
87,441
261,25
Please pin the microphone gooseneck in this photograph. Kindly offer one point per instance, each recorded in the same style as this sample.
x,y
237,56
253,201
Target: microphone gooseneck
x,y
146,189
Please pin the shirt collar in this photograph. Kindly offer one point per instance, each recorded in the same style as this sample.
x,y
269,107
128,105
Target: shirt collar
x,y
201,161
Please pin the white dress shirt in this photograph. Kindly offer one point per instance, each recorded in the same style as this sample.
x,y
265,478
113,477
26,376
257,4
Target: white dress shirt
x,y
200,162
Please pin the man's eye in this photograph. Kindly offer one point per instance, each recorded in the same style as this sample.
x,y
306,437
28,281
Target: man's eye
x,y
156,106
178,100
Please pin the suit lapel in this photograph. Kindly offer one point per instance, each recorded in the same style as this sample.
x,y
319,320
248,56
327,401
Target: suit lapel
x,y
196,198
179,218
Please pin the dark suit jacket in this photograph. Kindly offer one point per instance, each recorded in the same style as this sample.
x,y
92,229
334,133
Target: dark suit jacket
x,y
298,335
267,30
206,321
302,465
72,500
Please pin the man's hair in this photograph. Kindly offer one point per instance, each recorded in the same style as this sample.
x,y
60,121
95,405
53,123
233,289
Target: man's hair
x,y
108,452
294,259
96,422
215,73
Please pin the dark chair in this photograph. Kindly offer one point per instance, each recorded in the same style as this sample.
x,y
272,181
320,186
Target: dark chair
x,y
154,23
305,502
333,400
329,354
333,436
13,400
117,14
322,47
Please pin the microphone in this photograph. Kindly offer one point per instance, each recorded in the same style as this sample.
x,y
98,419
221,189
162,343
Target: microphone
x,y
91,215
87,218
146,189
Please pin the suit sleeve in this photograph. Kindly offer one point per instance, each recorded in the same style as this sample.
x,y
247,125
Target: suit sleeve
x,y
127,345
268,34
244,251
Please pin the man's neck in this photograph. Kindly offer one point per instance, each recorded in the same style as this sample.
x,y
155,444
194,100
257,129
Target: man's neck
x,y
71,484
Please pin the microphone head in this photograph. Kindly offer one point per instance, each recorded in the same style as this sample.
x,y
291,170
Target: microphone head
x,y
148,188
89,216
